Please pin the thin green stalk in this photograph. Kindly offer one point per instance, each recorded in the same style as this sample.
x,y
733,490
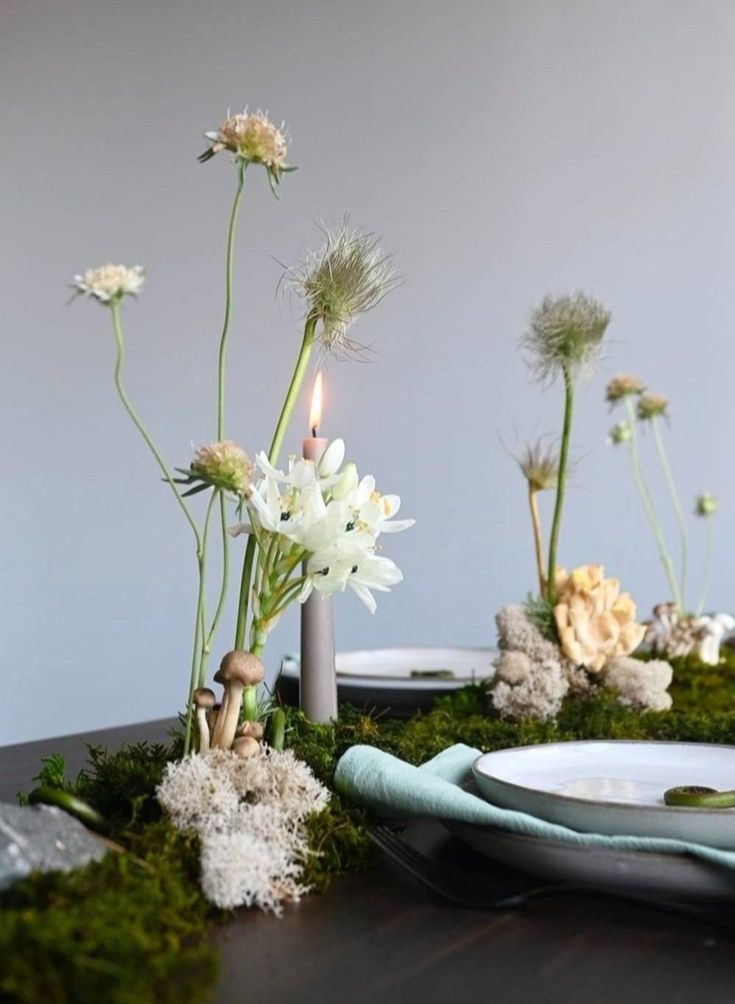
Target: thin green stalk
x,y
284,419
561,484
223,587
648,506
678,508
228,299
206,640
199,634
708,552
137,421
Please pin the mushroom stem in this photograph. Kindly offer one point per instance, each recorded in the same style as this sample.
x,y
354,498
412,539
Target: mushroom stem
x,y
203,730
217,733
231,716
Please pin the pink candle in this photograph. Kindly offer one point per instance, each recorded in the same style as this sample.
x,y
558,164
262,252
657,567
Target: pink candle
x,y
318,688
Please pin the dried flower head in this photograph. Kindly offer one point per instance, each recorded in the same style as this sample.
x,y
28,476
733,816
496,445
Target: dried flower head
x,y
348,276
539,464
706,505
565,334
223,465
620,433
252,139
623,385
651,405
110,283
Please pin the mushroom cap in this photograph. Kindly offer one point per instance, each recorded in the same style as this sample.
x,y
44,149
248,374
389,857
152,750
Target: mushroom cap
x,y
254,729
245,746
204,697
242,666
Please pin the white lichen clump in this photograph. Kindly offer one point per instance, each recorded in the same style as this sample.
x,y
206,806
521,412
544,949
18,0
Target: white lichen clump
x,y
533,675
249,815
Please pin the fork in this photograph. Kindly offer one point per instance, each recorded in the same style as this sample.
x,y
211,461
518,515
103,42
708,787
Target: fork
x,y
432,877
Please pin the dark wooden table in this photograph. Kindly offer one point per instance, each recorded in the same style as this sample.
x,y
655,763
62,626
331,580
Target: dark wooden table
x,y
379,937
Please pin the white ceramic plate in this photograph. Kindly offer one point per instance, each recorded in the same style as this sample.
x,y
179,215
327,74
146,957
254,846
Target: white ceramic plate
x,y
671,875
408,668
613,787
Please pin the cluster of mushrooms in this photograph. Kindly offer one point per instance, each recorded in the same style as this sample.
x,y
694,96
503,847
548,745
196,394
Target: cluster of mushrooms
x,y
219,723
672,634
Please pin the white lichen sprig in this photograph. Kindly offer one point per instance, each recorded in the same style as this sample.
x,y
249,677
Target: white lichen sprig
x,y
564,338
630,391
249,814
347,277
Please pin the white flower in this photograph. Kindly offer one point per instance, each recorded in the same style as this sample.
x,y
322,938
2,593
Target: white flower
x,y
110,282
373,512
332,458
350,565
250,137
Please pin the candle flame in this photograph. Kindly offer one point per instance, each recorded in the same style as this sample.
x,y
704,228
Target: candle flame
x,y
315,412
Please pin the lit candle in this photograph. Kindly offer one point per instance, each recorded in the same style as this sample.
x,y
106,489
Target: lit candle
x,y
318,688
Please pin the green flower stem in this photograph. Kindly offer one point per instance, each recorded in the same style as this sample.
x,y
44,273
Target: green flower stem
x,y
307,344
708,552
678,509
561,483
648,506
223,589
120,361
241,166
137,421
198,657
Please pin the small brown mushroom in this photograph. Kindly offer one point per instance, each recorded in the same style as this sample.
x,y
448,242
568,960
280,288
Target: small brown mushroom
x,y
204,699
212,717
237,671
254,729
246,746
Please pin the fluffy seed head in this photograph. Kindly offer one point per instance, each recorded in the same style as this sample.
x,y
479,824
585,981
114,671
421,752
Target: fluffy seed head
x,y
224,465
539,464
651,405
110,282
348,276
706,505
622,386
565,334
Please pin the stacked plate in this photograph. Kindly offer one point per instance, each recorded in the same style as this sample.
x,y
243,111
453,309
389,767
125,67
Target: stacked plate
x,y
399,680
613,788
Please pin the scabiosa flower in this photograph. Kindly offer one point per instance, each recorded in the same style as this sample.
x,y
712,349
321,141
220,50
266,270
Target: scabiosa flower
x,y
222,465
539,464
109,282
254,139
620,433
651,405
565,333
623,385
706,505
348,276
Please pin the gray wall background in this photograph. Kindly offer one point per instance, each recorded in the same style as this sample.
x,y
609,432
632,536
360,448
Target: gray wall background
x,y
503,149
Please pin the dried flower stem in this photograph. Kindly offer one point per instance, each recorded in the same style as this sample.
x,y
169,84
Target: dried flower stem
x,y
284,420
561,481
707,578
648,506
537,539
678,509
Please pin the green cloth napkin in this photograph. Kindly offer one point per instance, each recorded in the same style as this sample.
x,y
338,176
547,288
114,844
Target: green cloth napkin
x,y
439,788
